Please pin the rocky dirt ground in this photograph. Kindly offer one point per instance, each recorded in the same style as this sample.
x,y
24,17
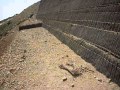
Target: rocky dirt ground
x,y
32,60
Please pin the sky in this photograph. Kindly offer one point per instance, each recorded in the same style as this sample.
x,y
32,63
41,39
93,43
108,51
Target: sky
x,y
11,7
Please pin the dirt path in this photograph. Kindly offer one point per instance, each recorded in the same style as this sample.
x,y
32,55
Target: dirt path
x,y
32,63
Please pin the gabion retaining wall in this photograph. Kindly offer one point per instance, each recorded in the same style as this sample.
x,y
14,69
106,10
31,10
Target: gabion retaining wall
x,y
95,24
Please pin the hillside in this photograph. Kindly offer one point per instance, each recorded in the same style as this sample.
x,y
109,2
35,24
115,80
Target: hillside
x,y
56,54
8,24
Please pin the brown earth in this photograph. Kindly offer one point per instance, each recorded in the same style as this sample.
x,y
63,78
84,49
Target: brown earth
x,y
6,40
32,60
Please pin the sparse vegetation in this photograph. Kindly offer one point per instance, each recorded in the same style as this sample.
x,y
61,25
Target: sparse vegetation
x,y
5,27
11,22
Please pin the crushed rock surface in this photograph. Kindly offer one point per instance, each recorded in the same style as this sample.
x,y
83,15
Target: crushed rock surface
x,y
32,61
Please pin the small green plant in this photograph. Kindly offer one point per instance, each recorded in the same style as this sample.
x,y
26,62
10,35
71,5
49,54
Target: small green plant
x,y
4,28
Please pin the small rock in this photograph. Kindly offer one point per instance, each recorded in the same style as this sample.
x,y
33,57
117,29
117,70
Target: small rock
x,y
62,57
64,79
100,80
8,73
67,56
23,57
1,66
25,51
21,60
2,81
12,70
94,76
109,81
72,85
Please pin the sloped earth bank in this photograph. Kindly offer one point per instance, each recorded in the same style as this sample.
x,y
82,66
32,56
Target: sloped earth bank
x,y
32,61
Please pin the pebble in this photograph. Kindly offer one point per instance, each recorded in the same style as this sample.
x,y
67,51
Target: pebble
x,y
109,81
45,41
72,85
8,73
12,70
100,80
94,76
2,81
67,56
1,66
25,51
23,57
21,60
64,79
